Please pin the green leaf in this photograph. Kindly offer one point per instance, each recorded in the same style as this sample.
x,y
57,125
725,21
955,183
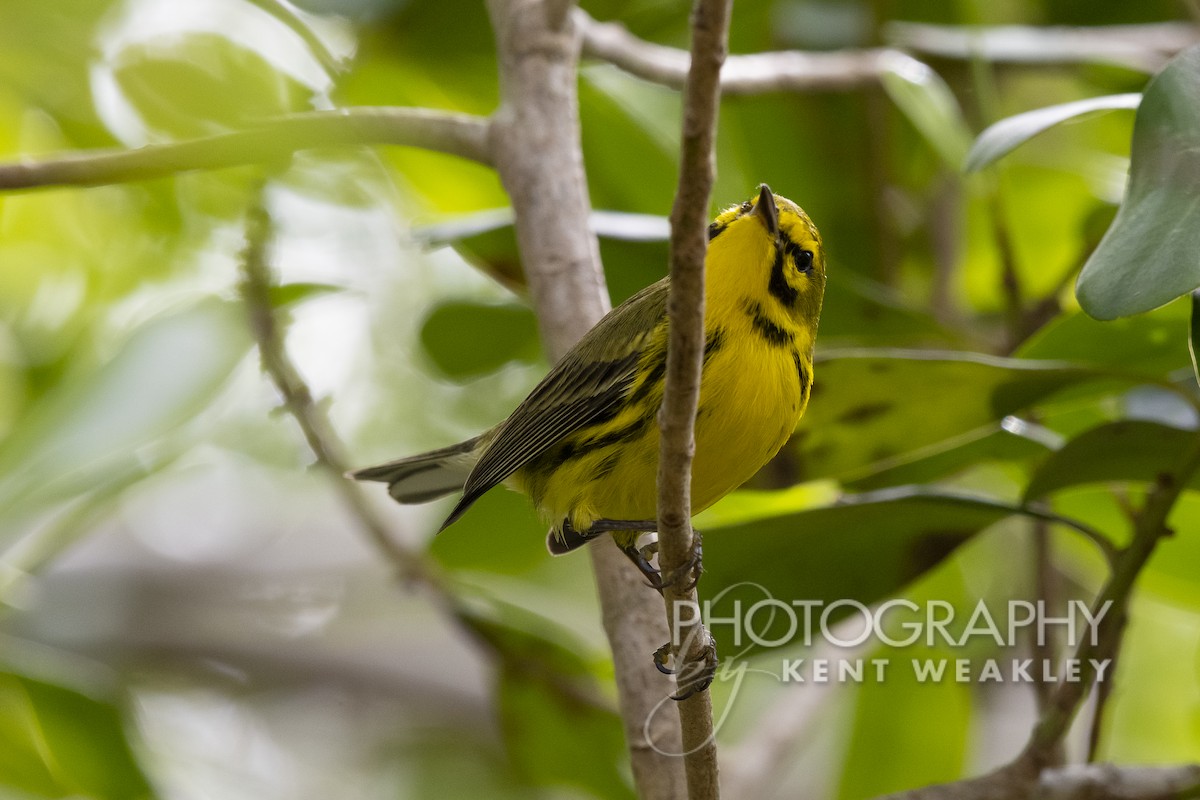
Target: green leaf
x,y
862,547
1148,256
1194,333
500,533
990,443
1006,135
1154,343
290,294
871,407
90,426
923,97
923,728
557,727
1130,450
203,83
55,742
467,339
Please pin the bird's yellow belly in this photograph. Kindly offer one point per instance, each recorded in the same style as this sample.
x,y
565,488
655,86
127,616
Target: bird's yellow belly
x,y
750,401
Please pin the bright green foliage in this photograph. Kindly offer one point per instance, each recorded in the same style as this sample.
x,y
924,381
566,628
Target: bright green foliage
x,y
1148,256
161,527
58,743
1008,134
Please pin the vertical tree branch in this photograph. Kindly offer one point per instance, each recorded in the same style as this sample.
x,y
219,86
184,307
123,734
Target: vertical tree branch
x,y
689,217
535,142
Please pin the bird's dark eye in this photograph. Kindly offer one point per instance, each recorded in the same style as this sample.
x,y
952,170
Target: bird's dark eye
x,y
747,207
804,261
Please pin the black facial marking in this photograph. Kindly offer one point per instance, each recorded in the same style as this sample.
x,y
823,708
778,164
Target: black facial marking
x,y
778,287
765,327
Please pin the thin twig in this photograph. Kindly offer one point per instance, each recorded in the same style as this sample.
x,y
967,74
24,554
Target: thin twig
x,y
1146,48
536,141
1149,528
413,567
783,71
1075,782
689,218
462,135
297,399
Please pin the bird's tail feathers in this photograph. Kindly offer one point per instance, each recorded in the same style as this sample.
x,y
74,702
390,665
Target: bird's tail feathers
x,y
425,477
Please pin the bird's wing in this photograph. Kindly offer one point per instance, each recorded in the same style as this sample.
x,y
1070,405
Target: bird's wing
x,y
586,387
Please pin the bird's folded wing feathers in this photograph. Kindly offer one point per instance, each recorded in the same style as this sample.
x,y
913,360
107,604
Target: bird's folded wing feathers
x,y
586,387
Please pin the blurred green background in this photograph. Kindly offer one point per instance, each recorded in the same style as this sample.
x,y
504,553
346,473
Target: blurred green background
x,y
188,611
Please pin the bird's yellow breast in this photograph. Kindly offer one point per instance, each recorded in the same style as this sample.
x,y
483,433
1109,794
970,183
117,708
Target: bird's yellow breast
x,y
753,390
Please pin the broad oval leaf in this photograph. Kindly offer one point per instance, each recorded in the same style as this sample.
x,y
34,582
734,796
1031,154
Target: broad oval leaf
x,y
871,408
1130,450
1006,135
861,547
1155,342
1149,254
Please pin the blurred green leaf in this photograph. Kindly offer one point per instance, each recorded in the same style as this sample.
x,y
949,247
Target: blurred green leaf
x,y
167,371
923,728
1003,137
290,294
987,444
861,547
1153,343
923,97
55,742
1194,333
871,407
556,739
558,728
500,533
468,339
1148,256
203,83
1130,450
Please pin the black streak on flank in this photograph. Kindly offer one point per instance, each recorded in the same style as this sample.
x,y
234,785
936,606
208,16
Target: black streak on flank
x,y
653,378
628,433
778,287
802,373
713,342
715,230
765,327
605,468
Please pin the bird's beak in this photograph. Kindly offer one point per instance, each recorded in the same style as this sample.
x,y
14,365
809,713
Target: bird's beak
x,y
767,210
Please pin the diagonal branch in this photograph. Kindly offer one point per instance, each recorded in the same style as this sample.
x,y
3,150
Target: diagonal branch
x,y
685,304
1030,775
1150,526
457,134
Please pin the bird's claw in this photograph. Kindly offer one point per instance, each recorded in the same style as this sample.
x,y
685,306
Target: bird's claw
x,y
692,570
693,676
